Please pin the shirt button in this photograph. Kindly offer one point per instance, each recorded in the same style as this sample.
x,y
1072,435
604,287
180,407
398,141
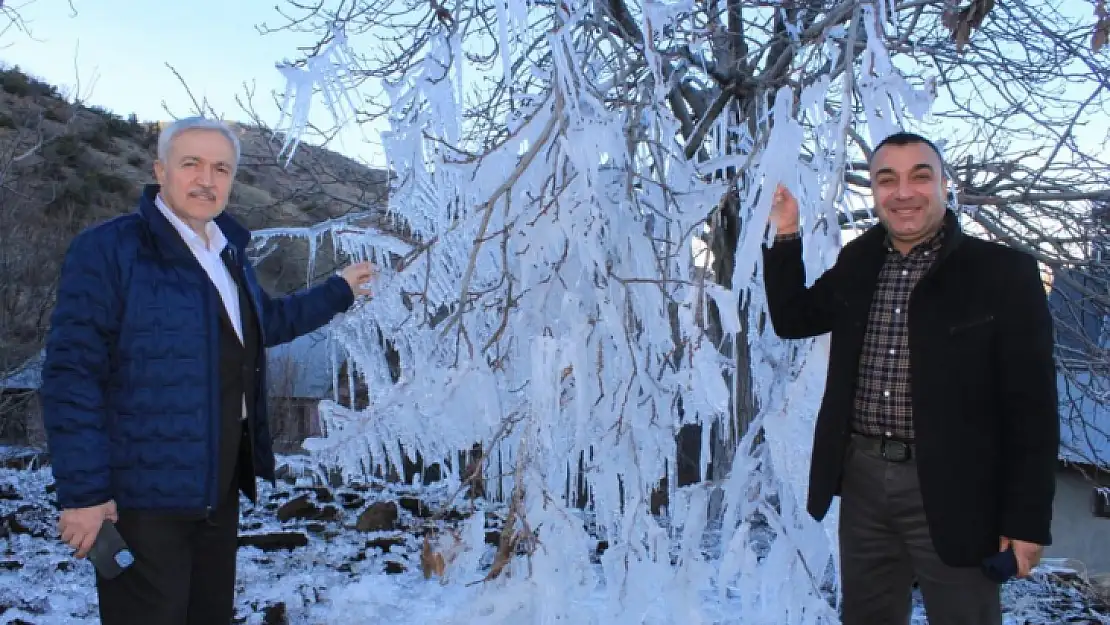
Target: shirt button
x,y
897,311
905,272
886,393
892,351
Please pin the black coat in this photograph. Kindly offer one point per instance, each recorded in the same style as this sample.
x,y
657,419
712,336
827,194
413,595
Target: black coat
x,y
983,382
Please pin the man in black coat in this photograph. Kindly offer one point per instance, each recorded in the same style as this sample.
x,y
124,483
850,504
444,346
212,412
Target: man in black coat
x,y
938,428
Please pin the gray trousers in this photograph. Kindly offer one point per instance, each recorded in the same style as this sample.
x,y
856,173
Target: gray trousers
x,y
885,545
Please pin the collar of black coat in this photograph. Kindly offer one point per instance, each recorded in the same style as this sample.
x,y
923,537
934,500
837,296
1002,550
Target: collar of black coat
x,y
236,234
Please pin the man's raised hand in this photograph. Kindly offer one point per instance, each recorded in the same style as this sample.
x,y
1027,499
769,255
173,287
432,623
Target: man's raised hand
x,y
784,211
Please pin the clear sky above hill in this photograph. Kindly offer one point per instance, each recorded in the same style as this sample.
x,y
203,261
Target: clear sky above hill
x,y
114,54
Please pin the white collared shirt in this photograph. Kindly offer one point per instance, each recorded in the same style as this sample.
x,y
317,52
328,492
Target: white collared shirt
x,y
209,258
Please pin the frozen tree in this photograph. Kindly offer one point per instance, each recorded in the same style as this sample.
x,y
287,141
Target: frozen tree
x,y
578,188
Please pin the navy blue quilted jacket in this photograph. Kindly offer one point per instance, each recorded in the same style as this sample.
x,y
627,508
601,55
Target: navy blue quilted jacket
x,y
130,388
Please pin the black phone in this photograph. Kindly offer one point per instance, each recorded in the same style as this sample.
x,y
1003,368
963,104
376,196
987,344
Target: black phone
x,y
1001,567
110,554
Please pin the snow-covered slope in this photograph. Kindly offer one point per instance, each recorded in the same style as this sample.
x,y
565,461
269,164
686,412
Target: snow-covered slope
x,y
351,555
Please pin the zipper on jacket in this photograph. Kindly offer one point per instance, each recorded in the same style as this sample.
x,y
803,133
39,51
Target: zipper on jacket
x,y
213,397
974,323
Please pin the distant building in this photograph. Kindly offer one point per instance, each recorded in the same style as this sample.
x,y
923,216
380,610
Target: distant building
x,y
299,375
1079,305
20,413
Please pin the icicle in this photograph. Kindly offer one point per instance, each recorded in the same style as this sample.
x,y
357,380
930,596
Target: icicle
x,y
328,72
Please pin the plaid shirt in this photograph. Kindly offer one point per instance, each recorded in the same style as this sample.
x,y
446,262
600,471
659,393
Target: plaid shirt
x,y
883,404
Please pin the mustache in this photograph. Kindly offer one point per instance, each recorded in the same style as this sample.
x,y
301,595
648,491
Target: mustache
x,y
203,194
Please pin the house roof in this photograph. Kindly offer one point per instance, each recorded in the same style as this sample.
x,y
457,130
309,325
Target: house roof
x,y
1078,317
27,376
1081,328
1084,420
303,368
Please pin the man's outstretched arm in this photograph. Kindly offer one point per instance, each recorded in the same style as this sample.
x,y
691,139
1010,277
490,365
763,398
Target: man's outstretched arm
x,y
286,318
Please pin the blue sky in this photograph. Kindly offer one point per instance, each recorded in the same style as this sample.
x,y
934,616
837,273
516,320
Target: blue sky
x,y
117,51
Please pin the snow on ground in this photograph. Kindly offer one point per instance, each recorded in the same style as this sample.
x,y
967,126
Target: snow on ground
x,y
349,555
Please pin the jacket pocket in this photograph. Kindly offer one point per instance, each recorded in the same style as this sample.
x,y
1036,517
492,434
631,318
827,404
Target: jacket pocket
x,y
971,324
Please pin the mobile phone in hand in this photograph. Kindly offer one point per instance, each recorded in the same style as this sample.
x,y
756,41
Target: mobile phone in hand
x,y
1001,567
110,554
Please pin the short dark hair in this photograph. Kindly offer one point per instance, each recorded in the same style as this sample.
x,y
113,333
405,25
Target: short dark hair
x,y
906,138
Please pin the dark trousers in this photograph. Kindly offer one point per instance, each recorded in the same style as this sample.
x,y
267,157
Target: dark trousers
x,y
184,570
885,545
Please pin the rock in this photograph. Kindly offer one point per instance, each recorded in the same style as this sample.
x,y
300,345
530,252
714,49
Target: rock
x,y
454,516
493,538
364,487
385,543
10,565
302,508
28,520
250,526
602,547
380,516
38,605
414,506
298,508
274,541
275,614
335,477
24,458
394,568
316,527
286,474
323,494
7,491
329,513
351,501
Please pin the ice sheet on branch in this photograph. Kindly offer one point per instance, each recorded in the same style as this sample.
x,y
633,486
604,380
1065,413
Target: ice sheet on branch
x,y
533,317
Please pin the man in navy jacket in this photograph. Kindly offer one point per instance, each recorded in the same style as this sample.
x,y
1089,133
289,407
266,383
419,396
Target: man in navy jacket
x,y
153,385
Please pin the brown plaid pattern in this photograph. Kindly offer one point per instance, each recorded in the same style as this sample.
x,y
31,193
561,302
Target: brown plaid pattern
x,y
883,403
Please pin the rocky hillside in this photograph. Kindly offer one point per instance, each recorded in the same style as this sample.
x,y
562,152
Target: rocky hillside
x,y
64,166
